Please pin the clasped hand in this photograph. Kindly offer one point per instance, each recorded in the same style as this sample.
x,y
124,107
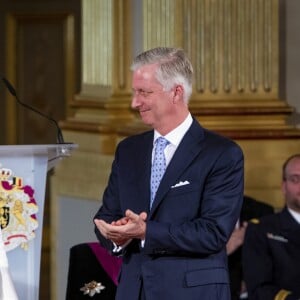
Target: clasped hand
x,y
125,229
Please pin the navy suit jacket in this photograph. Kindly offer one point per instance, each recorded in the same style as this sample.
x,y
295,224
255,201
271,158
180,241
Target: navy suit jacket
x,y
184,255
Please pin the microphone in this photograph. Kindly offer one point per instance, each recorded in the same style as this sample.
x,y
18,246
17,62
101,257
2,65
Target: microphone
x,y
60,138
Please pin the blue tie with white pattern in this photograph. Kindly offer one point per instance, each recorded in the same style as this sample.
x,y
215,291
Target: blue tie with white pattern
x,y
158,166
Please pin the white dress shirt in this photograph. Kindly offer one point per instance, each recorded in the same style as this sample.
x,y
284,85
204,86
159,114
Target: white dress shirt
x,y
295,215
174,137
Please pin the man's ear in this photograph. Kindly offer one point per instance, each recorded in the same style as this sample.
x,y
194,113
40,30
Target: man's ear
x,y
178,93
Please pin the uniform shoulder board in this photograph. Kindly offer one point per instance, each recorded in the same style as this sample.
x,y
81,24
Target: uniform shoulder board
x,y
282,295
254,221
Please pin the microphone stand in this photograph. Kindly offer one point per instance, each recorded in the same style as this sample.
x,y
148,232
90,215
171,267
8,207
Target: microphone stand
x,y
60,138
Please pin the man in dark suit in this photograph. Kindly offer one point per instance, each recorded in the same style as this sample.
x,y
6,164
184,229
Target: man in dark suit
x,y
174,247
271,251
251,209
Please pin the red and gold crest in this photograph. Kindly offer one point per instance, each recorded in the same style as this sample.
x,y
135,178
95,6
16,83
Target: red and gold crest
x,y
18,210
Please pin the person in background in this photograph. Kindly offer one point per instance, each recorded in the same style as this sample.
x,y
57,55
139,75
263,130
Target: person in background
x,y
251,209
174,193
271,251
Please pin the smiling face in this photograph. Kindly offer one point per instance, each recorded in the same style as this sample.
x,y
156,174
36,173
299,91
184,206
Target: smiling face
x,y
291,184
161,109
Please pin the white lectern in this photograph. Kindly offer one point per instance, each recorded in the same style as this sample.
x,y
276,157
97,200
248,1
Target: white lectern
x,y
23,173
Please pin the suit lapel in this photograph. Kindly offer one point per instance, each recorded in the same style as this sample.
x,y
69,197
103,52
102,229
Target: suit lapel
x,y
144,159
186,152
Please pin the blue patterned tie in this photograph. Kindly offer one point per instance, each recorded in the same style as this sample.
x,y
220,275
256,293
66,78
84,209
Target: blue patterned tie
x,y
158,166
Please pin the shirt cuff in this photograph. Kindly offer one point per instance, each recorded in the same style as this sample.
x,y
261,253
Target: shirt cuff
x,y
119,248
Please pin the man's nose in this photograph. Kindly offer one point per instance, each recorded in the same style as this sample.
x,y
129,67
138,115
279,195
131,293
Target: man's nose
x,y
135,103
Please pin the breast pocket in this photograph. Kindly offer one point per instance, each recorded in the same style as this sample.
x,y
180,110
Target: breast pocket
x,y
183,189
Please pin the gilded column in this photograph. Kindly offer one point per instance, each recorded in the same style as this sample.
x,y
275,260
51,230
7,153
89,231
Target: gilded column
x,y
159,20
97,48
106,56
234,46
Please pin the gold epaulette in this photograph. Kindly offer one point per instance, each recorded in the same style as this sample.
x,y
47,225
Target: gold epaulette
x,y
282,294
254,221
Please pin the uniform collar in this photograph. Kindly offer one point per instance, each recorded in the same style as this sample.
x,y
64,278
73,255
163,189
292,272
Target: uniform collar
x,y
295,215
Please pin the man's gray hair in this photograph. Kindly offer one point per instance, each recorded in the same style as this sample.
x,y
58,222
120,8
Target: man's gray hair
x,y
174,67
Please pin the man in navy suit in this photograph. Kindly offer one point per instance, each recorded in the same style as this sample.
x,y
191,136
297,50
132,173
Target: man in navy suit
x,y
175,249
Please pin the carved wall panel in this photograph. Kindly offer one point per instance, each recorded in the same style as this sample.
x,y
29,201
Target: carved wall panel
x,y
33,42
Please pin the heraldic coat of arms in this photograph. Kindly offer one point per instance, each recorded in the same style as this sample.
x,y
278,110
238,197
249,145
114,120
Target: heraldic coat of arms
x,y
18,210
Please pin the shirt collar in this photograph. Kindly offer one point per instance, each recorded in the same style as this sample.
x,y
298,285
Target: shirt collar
x,y
295,215
175,136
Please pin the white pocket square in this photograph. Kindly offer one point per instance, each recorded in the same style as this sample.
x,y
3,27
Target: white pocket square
x,y
180,183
